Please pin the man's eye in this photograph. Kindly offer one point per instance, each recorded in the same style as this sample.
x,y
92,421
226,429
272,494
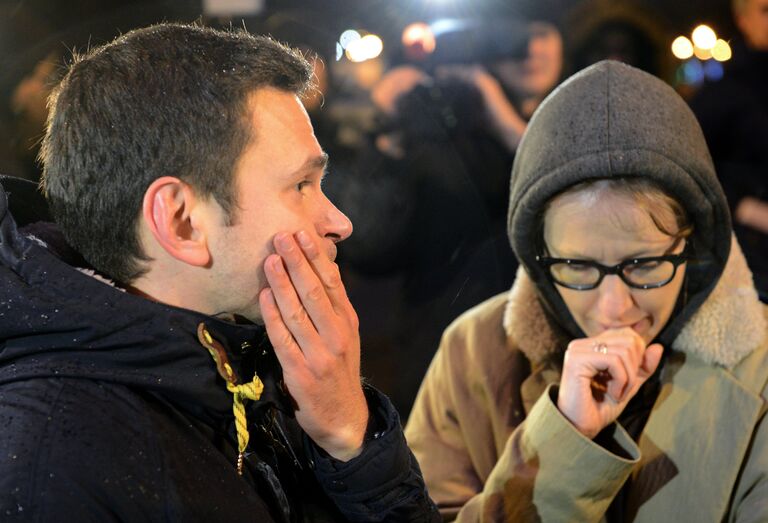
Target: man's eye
x,y
302,184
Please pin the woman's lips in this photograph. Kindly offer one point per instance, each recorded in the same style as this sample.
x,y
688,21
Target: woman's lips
x,y
639,326
642,325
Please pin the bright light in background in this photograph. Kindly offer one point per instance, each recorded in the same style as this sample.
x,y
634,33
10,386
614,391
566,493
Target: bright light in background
x,y
419,34
446,25
682,48
367,47
347,37
702,54
698,55
418,41
704,37
721,51
358,48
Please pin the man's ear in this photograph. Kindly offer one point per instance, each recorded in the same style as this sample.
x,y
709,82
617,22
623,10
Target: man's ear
x,y
173,214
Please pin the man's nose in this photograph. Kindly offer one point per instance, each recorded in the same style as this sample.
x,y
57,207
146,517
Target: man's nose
x,y
334,223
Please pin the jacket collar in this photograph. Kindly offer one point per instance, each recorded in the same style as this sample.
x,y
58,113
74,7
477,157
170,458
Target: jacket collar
x,y
715,333
66,323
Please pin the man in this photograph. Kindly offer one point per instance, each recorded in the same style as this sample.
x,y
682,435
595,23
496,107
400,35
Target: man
x,y
179,163
733,113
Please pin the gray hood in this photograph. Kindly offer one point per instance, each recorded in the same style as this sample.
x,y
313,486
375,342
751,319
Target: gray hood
x,y
614,120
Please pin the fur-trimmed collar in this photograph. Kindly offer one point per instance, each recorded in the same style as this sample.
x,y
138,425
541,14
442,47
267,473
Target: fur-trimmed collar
x,y
727,327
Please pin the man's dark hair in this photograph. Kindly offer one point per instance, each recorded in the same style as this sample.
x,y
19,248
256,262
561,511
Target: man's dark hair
x,y
165,100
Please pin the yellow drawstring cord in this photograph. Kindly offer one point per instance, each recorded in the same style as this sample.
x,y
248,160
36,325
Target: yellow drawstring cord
x,y
240,392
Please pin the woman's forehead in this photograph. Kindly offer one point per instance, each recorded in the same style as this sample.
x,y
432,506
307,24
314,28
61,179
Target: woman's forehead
x,y
598,216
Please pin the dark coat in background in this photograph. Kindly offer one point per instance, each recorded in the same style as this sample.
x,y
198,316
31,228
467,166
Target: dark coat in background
x,y
733,113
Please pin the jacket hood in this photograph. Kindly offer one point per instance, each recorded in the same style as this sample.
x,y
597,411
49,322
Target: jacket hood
x,y
612,120
58,320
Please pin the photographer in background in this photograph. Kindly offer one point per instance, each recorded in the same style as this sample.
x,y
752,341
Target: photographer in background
x,y
513,64
435,186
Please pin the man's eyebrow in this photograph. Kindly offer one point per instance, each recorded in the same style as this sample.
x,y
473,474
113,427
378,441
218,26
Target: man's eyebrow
x,y
316,163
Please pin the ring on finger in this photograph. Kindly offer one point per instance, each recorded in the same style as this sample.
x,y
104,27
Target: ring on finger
x,y
600,347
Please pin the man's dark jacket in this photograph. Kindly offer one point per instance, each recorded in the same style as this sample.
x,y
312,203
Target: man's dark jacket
x,y
111,409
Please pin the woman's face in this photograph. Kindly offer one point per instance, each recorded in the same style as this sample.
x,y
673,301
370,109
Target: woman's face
x,y
608,228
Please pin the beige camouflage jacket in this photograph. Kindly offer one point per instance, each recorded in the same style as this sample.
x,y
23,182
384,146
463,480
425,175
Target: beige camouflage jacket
x,y
493,446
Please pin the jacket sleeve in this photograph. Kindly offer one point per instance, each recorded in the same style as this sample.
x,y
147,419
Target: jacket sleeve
x,y
542,469
384,483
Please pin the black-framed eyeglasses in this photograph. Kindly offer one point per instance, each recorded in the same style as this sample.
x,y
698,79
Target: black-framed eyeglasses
x,y
639,273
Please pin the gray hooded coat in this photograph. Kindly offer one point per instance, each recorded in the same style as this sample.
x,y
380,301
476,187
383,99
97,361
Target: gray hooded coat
x,y
492,444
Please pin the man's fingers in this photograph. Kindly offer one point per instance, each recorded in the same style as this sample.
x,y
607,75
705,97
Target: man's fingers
x,y
327,271
287,350
307,284
293,314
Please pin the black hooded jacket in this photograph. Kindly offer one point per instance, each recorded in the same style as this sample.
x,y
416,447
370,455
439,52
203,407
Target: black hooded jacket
x,y
111,409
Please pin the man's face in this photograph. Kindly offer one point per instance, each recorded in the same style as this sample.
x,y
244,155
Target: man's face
x,y
278,189
753,23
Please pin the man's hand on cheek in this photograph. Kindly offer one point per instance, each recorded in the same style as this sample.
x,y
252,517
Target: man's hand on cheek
x,y
314,331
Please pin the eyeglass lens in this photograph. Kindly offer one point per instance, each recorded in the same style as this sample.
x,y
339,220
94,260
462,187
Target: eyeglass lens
x,y
576,274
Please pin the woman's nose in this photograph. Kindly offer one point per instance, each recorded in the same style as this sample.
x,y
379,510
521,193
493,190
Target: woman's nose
x,y
615,297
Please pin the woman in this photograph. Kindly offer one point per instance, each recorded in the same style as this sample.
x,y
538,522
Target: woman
x,y
623,378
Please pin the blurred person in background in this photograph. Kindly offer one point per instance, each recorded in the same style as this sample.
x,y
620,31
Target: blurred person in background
x,y
624,377
430,196
733,113
29,110
622,30
29,62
